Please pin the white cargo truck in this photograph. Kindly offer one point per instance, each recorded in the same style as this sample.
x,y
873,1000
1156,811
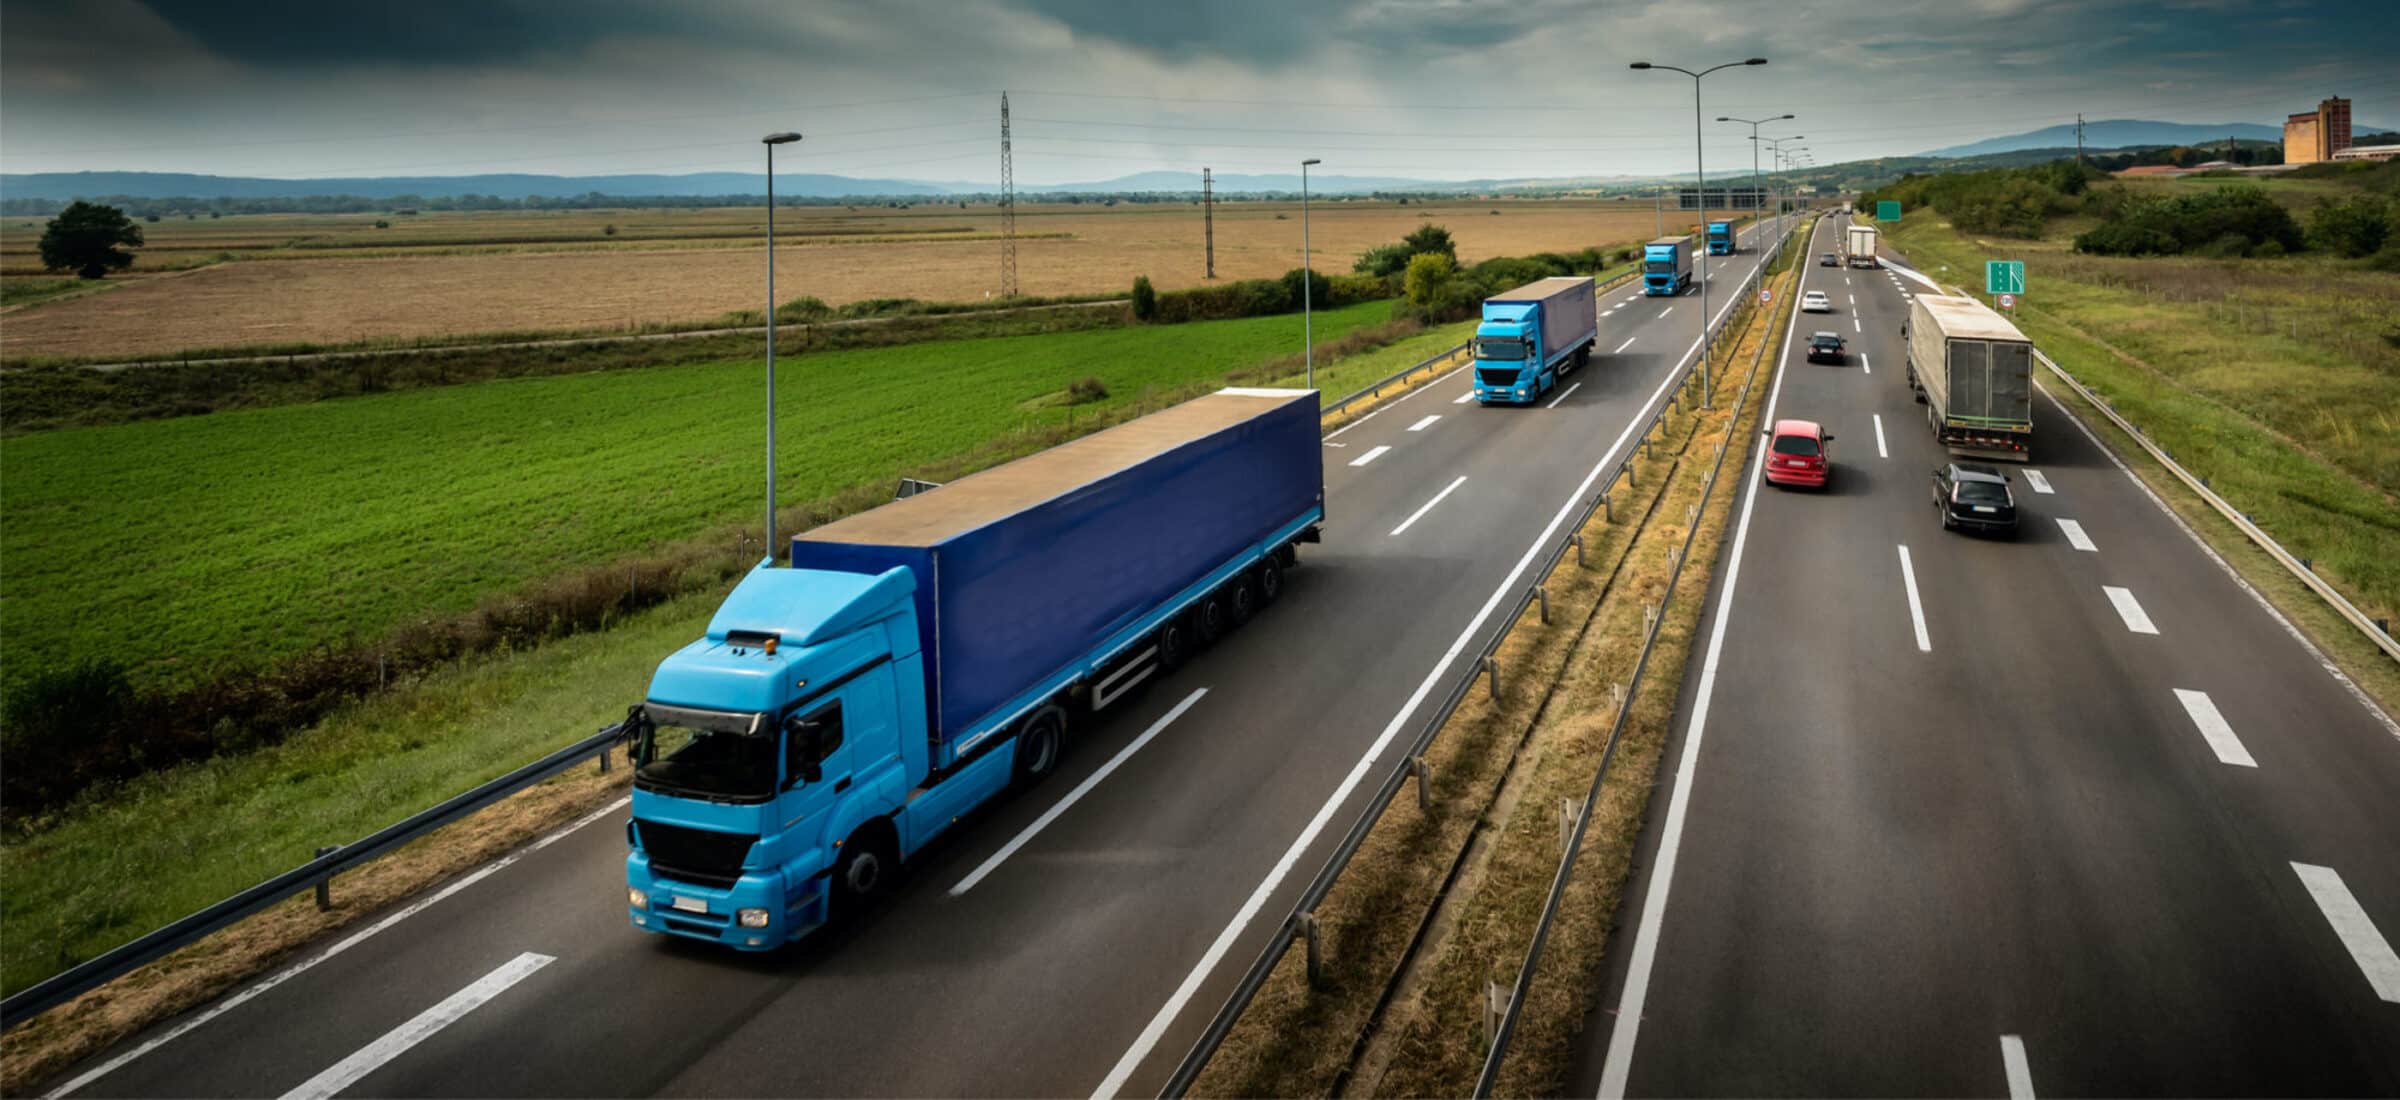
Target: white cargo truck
x,y
1974,371
1858,246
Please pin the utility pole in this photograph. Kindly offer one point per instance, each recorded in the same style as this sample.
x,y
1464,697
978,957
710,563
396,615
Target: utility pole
x,y
2079,139
1008,208
1208,219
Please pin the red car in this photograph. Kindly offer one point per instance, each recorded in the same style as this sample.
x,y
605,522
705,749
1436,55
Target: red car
x,y
1796,454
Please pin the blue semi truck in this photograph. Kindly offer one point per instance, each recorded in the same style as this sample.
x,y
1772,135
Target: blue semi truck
x,y
1667,266
1532,335
913,661
1720,238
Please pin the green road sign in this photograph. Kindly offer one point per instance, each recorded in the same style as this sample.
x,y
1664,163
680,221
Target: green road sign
x,y
2004,277
1887,210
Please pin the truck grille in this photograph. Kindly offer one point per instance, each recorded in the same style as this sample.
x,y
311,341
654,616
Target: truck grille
x,y
1497,376
694,855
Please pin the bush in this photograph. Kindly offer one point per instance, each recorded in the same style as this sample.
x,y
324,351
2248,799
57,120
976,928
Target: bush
x,y
2352,227
2386,258
1145,299
609,230
2194,223
1431,238
2231,246
383,223
64,729
1383,259
1318,288
1436,290
1351,289
1084,391
802,309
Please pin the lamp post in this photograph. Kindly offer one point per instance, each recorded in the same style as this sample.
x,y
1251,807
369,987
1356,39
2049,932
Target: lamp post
x,y
1756,193
1308,321
1775,146
1700,180
784,137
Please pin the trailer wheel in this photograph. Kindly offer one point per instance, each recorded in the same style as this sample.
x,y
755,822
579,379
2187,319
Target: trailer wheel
x,y
1212,617
1040,742
864,872
1243,600
1174,643
1270,578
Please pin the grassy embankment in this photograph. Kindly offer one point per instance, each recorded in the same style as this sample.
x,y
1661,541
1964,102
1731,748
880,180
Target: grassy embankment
x,y
2277,380
1435,903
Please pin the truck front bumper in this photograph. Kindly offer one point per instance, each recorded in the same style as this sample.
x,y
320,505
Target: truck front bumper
x,y
714,913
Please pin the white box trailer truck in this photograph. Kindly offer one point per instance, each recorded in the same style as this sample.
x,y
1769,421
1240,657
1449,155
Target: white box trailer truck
x,y
1858,246
1974,371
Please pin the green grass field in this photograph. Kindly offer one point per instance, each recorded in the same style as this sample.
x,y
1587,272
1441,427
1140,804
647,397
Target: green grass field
x,y
185,545
2277,380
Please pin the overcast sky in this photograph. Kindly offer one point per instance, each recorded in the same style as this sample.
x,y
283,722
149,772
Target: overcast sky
x,y
910,88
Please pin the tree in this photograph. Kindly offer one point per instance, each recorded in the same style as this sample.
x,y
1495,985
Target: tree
x,y
1430,238
1145,299
2355,226
83,238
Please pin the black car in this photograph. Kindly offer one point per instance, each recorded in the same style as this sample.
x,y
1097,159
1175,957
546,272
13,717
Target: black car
x,y
1825,347
1976,498
1828,259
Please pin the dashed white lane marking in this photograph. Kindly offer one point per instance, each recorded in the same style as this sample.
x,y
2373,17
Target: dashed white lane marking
x,y
2040,482
399,1040
1419,514
2368,948
2214,727
1862,364
2129,609
2012,1060
1081,789
1370,456
1464,398
1855,326
1421,425
1628,343
2076,538
1563,394
1663,313
1880,450
1916,607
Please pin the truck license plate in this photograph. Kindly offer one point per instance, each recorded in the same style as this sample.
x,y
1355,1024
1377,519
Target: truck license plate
x,y
690,905
1980,508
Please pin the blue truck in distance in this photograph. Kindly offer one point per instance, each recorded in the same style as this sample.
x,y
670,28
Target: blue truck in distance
x,y
915,660
1720,238
1667,266
1532,335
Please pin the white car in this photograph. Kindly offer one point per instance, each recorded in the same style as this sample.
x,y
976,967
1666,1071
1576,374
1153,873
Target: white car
x,y
1815,301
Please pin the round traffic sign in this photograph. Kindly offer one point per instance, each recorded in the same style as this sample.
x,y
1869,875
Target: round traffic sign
x,y
2008,301
1765,295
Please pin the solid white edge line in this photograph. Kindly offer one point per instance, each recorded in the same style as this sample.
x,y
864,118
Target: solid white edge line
x,y
1081,789
1916,608
1372,454
1419,514
1156,1029
2368,948
1563,394
2357,693
2076,536
1628,343
423,1026
2214,728
1881,451
2039,480
1627,1029
1428,422
2012,1061
2129,609
354,939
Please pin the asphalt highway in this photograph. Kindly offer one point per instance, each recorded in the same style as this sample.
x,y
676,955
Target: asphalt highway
x,y
2077,814
1073,939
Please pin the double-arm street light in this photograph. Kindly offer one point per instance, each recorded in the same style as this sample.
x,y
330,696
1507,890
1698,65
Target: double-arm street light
x,y
1775,148
1757,195
1700,180
785,137
1308,322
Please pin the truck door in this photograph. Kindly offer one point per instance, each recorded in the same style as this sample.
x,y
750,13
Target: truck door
x,y
816,768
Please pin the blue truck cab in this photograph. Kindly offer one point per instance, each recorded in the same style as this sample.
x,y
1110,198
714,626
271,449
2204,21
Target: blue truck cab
x,y
1667,266
1531,336
1720,238
914,661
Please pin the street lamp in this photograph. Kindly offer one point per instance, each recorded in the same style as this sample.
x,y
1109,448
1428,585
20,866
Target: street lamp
x,y
1700,179
1775,146
1308,323
1754,124
785,137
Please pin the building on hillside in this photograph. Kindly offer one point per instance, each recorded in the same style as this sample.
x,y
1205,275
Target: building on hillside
x,y
2368,152
2317,135
1744,197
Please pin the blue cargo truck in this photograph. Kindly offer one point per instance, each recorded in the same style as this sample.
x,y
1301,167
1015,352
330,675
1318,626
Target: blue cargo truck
x,y
1532,335
1667,266
1720,238
913,661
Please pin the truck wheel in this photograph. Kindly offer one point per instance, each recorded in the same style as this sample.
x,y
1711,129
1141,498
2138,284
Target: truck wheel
x,y
1243,601
1270,578
864,872
1174,643
1212,617
1040,742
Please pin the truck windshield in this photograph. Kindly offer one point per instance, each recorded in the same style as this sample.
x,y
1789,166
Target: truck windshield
x,y
1659,266
1499,347
708,758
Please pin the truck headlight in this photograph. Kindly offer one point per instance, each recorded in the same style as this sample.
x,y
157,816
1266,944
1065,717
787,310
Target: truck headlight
x,y
751,918
636,898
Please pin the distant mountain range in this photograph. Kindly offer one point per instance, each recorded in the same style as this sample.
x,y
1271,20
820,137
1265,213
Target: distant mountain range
x,y
2118,133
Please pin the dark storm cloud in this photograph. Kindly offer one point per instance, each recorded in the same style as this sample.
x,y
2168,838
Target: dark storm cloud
x,y
1277,33
316,34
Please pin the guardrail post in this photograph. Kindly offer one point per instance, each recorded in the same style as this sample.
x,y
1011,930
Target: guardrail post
x,y
1608,511
1566,824
1649,617
1542,592
1308,931
1629,474
1424,775
1579,539
325,885
1495,1009
1492,667
1616,695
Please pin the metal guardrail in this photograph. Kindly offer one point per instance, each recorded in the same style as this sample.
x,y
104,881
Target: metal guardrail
x,y
67,984
2376,632
1375,389
1573,845
1301,922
